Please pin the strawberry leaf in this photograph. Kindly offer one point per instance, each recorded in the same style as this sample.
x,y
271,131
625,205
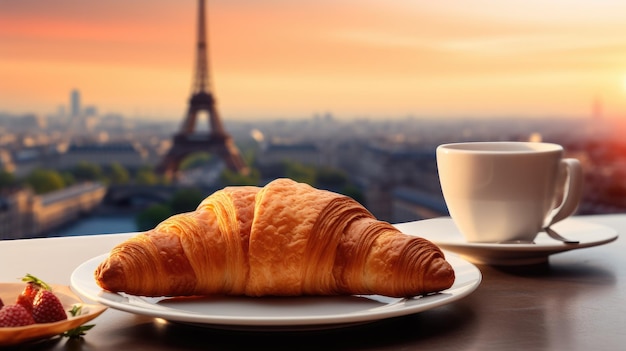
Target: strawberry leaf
x,y
80,331
29,278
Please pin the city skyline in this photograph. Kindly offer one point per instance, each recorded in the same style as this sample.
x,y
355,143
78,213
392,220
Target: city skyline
x,y
352,58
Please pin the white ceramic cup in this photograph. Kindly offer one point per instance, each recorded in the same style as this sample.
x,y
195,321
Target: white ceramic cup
x,y
507,191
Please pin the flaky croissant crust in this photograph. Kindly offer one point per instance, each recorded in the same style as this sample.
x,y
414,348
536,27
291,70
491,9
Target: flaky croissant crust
x,y
284,239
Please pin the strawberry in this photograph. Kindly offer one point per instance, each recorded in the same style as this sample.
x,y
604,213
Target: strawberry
x,y
1,304
47,307
15,316
27,296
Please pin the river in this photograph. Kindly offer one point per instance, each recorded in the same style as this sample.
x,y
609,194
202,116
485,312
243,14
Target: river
x,y
98,224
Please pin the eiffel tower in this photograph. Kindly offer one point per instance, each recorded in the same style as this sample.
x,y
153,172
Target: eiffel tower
x,y
187,140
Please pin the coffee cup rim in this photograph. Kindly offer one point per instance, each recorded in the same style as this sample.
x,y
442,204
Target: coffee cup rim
x,y
504,147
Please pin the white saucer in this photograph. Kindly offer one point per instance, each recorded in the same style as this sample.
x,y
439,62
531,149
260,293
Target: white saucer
x,y
444,233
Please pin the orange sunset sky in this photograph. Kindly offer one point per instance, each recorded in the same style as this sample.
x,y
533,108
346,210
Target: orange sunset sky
x,y
287,58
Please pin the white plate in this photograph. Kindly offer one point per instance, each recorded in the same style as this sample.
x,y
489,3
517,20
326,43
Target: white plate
x,y
443,232
276,313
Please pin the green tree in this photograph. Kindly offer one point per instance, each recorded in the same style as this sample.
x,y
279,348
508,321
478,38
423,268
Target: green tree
x,y
43,181
68,178
7,179
186,200
86,171
146,176
300,173
153,215
228,177
117,174
195,160
355,193
330,178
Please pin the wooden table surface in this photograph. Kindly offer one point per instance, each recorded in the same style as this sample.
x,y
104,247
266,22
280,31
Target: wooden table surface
x,y
577,301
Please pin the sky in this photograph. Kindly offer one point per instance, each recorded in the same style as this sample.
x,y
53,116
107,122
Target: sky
x,y
351,58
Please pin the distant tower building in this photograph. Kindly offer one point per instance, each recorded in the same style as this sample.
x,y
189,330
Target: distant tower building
x,y
75,103
187,141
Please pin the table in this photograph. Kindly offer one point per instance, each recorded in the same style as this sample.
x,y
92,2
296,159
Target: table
x,y
575,302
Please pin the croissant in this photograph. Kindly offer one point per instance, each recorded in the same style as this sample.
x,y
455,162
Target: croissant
x,y
283,239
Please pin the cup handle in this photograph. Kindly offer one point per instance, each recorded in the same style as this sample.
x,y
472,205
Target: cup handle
x,y
573,192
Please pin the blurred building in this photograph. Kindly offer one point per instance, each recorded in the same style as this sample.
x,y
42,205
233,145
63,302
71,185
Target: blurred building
x,y
127,154
399,181
410,204
6,161
276,152
75,107
26,215
16,214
